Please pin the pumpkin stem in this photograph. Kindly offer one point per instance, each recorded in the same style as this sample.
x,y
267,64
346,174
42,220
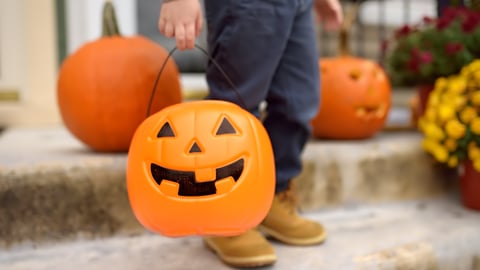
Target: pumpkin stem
x,y
110,24
344,35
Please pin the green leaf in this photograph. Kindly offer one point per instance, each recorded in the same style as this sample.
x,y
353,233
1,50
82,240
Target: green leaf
x,y
463,143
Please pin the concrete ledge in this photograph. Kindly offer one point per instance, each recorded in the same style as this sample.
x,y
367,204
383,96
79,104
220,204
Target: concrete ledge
x,y
63,202
391,166
53,188
426,234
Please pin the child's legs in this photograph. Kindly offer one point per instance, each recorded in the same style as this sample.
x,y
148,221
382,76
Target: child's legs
x,y
268,49
247,39
293,99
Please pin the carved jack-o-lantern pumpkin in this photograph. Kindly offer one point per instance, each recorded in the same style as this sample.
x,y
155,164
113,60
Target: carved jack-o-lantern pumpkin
x,y
200,168
355,92
355,99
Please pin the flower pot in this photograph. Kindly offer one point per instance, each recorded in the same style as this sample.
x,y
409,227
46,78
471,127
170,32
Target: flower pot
x,y
470,185
423,92
418,103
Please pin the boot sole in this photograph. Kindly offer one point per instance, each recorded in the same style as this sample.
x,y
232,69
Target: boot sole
x,y
249,262
293,241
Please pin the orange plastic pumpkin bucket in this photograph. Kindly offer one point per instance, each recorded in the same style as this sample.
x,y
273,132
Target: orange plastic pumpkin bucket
x,y
201,168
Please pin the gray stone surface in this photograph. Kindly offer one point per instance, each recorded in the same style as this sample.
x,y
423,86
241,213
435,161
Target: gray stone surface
x,y
390,166
53,188
421,235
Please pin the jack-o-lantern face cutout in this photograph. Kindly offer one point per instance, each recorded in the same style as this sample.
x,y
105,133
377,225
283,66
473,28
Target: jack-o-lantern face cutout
x,y
186,180
201,168
355,98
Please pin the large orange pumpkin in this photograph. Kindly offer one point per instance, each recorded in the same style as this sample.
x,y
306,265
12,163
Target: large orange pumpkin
x,y
104,87
201,168
355,99
355,93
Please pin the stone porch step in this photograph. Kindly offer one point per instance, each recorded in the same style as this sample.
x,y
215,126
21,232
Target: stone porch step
x,y
52,188
422,235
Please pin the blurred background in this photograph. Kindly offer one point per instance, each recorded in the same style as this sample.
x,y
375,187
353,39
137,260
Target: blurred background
x,y
36,35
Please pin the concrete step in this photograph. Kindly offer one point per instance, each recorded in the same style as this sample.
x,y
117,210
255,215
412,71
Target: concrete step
x,y
52,188
391,166
422,235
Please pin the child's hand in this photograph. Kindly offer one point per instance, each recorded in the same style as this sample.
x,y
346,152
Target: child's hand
x,y
330,12
182,20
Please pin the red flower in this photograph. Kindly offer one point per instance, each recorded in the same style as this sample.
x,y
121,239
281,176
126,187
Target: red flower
x,y
470,22
428,20
455,12
450,14
403,31
419,46
443,23
413,64
453,48
425,57
418,58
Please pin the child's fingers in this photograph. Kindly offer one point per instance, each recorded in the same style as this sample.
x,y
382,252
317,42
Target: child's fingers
x,y
169,30
190,36
161,26
180,36
198,25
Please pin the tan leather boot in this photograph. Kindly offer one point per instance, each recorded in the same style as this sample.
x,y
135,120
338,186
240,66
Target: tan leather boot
x,y
250,249
284,224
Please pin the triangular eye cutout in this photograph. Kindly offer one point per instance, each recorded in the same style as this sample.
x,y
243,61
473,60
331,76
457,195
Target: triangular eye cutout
x,y
195,148
225,128
166,131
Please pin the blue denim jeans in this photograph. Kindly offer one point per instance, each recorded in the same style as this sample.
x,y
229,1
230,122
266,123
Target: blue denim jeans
x,y
268,49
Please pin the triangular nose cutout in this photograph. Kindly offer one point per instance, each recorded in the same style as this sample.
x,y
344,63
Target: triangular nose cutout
x,y
195,148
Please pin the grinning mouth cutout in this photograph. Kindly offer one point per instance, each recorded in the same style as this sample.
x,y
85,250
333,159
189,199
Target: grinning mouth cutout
x,y
188,186
371,112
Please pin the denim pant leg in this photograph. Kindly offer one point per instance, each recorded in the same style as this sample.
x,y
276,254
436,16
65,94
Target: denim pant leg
x,y
247,38
268,50
293,99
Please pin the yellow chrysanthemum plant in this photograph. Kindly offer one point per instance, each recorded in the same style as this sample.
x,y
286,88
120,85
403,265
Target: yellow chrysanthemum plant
x,y
451,123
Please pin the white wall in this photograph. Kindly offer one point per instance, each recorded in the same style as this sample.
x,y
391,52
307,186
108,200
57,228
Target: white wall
x,y
84,20
28,52
30,57
12,39
394,11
